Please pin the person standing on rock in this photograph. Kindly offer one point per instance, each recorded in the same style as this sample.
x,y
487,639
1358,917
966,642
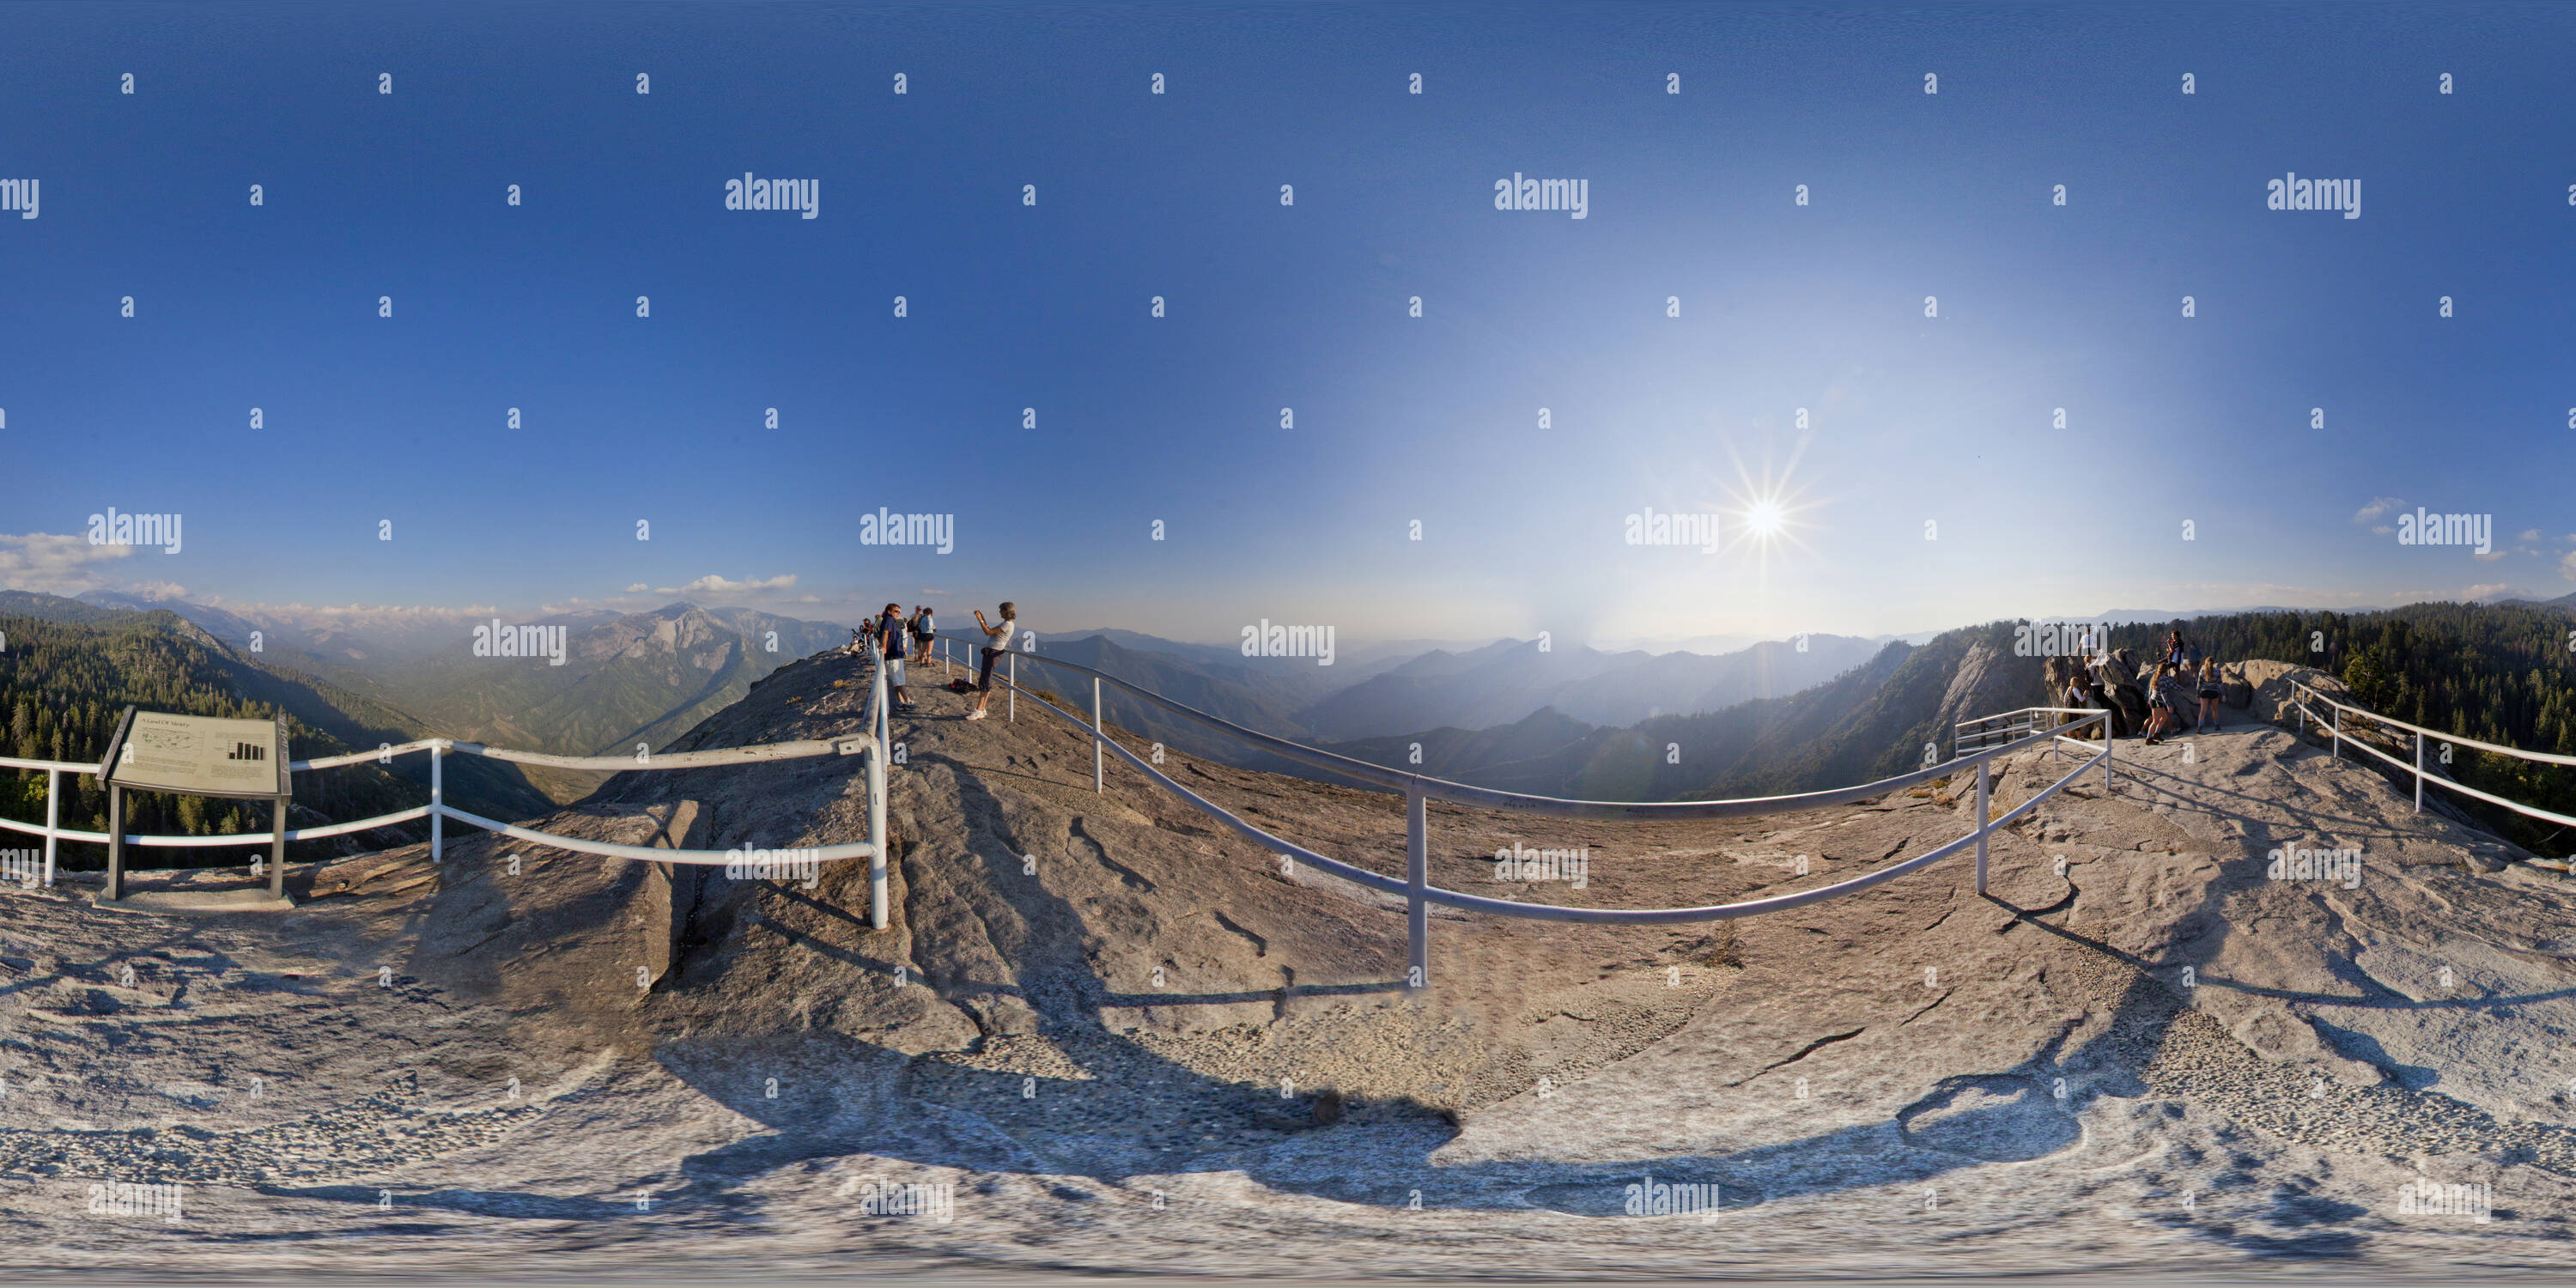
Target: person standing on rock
x,y
997,637
2180,655
2210,692
923,631
2161,715
889,630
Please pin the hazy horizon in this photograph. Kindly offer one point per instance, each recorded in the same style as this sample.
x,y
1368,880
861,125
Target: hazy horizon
x,y
358,617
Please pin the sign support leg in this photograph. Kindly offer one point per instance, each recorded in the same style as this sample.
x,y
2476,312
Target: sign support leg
x,y
115,842
277,849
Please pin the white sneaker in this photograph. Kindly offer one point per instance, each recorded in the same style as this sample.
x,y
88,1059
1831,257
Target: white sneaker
x,y
976,714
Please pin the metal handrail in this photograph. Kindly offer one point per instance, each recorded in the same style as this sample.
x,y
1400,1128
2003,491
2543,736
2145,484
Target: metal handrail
x,y
1419,894
2336,737
2545,757
2023,720
872,744
1558,912
1441,789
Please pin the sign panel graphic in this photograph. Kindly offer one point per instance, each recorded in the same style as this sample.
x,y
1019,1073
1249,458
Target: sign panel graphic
x,y
203,755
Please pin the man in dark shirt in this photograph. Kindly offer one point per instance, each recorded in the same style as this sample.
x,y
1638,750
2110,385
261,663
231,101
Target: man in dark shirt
x,y
890,637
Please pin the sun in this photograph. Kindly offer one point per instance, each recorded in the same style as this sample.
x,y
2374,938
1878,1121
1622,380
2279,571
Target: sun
x,y
1765,519
1770,512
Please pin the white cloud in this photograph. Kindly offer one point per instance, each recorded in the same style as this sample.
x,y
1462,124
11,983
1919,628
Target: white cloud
x,y
156,590
2567,566
2529,534
2377,509
713,584
2488,556
636,589
54,563
346,614
2483,590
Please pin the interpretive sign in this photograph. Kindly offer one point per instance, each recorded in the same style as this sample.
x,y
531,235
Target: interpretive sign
x,y
157,751
201,755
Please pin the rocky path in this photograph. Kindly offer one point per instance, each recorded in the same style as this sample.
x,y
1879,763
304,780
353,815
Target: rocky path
x,y
1122,1041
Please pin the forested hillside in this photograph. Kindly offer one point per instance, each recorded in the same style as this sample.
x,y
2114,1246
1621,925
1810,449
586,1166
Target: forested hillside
x,y
67,674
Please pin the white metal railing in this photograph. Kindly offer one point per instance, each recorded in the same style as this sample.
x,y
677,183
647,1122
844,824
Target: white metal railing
x,y
2005,726
2332,723
1418,892
871,744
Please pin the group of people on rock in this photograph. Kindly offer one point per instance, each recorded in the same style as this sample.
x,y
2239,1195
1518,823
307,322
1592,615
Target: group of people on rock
x,y
2183,680
896,637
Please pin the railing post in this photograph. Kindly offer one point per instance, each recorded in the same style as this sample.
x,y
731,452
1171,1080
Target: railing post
x,y
877,755
437,797
1982,789
2419,771
53,813
2107,743
878,698
1099,781
2337,739
1417,879
1011,681
877,836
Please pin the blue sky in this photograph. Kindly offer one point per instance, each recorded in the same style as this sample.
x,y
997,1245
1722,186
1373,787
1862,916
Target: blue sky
x,y
1946,420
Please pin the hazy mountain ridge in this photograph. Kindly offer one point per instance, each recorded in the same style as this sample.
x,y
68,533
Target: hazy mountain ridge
x,y
626,678
1505,701
1506,682
642,677
1667,757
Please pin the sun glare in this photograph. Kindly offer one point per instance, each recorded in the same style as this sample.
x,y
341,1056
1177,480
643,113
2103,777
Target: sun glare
x,y
1771,512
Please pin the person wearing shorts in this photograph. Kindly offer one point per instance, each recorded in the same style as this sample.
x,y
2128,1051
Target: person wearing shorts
x,y
924,630
2211,691
890,636
2162,717
997,640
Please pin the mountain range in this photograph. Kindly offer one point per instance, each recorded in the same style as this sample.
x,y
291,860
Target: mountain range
x,y
626,678
1507,681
